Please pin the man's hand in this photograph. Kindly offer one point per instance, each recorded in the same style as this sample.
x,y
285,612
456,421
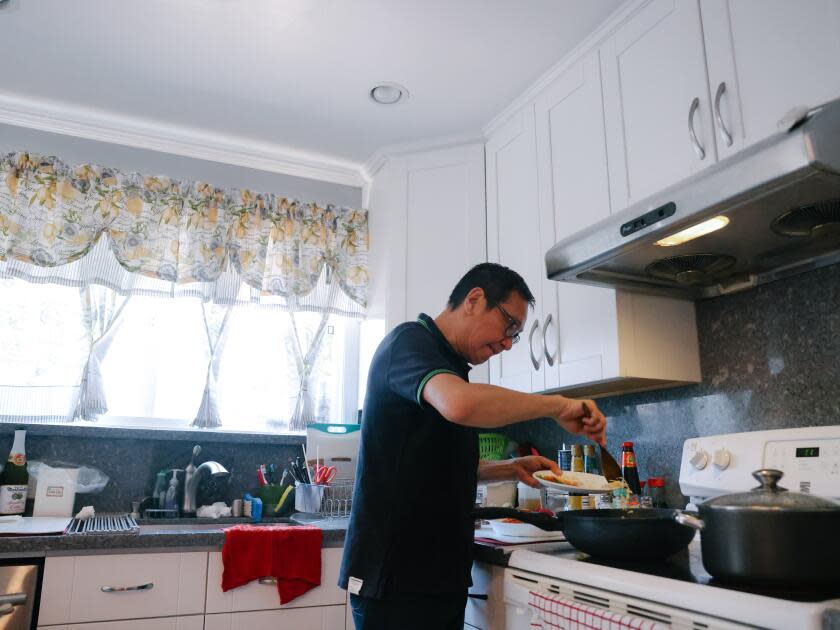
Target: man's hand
x,y
519,469
583,417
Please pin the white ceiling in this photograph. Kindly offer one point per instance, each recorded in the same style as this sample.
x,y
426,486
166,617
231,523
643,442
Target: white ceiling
x,y
289,77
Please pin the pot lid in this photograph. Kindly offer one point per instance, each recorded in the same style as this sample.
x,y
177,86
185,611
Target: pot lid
x,y
769,495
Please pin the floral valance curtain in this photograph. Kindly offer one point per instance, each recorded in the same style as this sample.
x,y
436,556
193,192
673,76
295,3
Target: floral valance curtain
x,y
152,234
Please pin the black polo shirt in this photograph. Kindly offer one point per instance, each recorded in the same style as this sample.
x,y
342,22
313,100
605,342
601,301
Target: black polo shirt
x,y
410,528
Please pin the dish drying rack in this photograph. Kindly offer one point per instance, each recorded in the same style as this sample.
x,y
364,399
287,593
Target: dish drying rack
x,y
333,500
99,525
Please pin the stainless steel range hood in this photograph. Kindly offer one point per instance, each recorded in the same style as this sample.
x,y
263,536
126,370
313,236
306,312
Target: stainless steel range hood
x,y
781,197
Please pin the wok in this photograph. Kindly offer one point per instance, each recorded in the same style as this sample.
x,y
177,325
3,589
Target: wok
x,y
634,535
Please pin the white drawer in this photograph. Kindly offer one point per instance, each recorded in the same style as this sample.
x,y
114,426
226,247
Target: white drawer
x,y
72,588
256,596
193,622
323,618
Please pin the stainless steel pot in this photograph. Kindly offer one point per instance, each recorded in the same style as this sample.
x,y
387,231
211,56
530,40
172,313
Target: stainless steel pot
x,y
769,535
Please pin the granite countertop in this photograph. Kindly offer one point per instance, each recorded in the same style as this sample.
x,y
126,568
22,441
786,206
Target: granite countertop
x,y
157,534
191,534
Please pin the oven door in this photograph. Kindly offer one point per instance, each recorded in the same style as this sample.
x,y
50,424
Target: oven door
x,y
19,585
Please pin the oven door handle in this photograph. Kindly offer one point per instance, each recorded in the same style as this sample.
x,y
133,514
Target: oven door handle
x,y
8,602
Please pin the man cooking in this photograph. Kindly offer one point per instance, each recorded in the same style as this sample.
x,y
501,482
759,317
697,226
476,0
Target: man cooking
x,y
408,551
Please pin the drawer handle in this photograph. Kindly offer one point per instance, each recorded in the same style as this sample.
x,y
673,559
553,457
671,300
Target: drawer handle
x,y
8,602
122,589
270,581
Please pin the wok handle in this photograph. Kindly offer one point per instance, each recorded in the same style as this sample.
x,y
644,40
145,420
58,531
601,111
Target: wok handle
x,y
688,520
537,519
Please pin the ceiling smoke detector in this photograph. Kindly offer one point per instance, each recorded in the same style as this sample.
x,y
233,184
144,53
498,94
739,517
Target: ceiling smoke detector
x,y
388,93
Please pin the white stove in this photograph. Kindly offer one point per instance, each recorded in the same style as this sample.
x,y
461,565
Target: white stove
x,y
679,592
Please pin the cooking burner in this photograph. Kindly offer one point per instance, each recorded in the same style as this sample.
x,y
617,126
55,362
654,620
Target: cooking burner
x,y
815,220
691,269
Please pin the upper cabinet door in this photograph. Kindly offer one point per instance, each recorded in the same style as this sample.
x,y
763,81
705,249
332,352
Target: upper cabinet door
x,y
513,239
579,338
656,100
766,57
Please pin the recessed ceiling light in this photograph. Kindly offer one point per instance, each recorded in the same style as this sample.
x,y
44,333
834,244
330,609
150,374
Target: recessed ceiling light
x,y
388,93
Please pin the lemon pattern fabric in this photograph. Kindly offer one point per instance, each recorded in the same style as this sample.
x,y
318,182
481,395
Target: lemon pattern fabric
x,y
52,214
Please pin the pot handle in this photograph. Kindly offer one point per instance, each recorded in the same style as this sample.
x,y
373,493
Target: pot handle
x,y
537,519
688,520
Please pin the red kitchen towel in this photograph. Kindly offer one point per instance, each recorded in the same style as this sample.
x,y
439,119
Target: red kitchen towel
x,y
292,555
553,612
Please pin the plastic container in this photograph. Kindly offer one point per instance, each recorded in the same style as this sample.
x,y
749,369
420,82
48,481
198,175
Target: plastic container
x,y
528,498
491,446
496,494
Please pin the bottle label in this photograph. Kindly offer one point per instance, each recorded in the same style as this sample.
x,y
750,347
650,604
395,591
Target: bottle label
x,y
628,459
18,459
12,499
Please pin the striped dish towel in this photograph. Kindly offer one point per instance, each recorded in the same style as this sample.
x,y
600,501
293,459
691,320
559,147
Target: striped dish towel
x,y
553,612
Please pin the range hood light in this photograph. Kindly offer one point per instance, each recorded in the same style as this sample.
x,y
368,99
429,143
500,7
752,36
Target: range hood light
x,y
695,231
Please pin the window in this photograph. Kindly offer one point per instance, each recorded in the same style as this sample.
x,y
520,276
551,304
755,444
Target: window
x,y
156,365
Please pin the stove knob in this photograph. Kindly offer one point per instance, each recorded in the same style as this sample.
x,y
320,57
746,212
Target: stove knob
x,y
721,459
699,459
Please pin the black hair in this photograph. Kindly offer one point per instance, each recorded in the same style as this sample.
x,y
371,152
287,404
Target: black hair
x,y
497,281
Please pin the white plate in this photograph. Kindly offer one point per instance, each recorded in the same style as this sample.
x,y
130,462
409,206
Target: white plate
x,y
518,530
583,482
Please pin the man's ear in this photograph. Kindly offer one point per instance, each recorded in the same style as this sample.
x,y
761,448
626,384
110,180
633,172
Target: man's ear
x,y
474,301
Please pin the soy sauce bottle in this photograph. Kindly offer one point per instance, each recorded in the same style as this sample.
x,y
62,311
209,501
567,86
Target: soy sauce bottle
x,y
628,468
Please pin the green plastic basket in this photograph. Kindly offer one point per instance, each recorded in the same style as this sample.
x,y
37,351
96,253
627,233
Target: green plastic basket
x,y
491,446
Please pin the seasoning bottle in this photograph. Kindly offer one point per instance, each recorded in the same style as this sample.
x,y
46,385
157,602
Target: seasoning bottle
x,y
656,490
564,458
590,461
628,468
14,479
577,458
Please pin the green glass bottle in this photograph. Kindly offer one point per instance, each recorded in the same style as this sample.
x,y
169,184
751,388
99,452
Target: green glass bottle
x,y
14,479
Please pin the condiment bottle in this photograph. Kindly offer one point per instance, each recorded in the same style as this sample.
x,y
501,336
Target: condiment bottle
x,y
577,458
564,458
590,461
656,490
628,468
14,479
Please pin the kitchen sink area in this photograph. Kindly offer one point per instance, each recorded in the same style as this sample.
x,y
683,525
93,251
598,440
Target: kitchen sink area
x,y
184,525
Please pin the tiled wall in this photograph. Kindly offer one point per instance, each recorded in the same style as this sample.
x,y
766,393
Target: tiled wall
x,y
770,359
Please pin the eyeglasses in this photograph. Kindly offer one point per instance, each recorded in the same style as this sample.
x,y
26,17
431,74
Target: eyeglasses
x,y
513,327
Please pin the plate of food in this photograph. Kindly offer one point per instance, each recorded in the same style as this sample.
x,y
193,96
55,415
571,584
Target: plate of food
x,y
516,528
568,481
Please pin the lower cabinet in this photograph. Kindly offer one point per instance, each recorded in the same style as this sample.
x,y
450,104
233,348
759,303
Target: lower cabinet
x,y
316,618
486,614
193,622
178,591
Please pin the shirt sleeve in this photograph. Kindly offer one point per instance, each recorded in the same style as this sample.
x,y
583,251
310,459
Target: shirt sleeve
x,y
415,358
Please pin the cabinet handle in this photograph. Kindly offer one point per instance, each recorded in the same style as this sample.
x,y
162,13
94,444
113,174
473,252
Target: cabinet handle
x,y
698,148
534,361
269,581
724,132
549,358
122,589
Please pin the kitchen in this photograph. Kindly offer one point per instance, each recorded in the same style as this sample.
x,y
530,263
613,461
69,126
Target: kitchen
x,y
621,93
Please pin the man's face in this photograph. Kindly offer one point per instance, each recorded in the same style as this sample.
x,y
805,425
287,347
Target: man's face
x,y
493,328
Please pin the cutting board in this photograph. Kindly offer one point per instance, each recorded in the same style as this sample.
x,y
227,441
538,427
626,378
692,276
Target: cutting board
x,y
486,533
33,525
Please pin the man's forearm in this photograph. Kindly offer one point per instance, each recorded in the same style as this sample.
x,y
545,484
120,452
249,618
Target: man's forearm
x,y
489,406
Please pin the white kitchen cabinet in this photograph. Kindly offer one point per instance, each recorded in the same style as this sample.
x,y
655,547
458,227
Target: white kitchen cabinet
x,y
486,614
320,618
606,341
72,589
765,57
263,595
657,105
513,240
428,227
193,622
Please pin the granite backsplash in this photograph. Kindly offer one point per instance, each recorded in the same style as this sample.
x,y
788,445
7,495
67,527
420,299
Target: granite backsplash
x,y
770,359
131,457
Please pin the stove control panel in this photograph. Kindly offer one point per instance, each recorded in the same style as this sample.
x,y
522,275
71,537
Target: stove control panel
x,y
809,457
